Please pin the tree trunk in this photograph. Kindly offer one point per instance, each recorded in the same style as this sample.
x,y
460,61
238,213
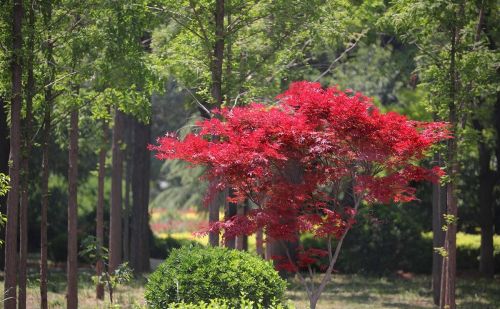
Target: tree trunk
x,y
438,210
10,280
486,186
23,215
45,200
240,240
115,229
100,208
293,174
259,243
140,232
487,269
128,179
448,280
47,127
126,214
278,248
72,264
217,97
230,211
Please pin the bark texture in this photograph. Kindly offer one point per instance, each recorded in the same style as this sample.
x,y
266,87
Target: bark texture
x,y
23,214
217,97
100,208
438,210
45,201
115,229
10,280
448,277
72,264
139,255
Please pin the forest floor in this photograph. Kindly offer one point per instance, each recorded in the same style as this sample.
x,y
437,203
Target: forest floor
x,y
346,291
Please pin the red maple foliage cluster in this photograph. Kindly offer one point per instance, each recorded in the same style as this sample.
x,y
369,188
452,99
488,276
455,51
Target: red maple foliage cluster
x,y
309,160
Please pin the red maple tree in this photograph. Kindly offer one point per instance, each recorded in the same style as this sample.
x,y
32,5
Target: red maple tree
x,y
308,162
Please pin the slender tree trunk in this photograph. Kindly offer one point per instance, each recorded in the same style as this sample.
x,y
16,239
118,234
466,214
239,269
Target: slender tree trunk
x,y
448,280
115,230
23,215
46,138
129,131
485,24
100,208
487,181
486,186
244,239
10,280
259,242
139,256
240,240
218,56
438,210
126,215
45,200
294,175
217,97
229,212
72,272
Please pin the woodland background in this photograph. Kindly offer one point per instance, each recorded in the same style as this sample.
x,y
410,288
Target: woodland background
x,y
86,86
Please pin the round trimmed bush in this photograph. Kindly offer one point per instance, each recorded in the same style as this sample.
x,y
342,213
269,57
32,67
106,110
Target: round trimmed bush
x,y
195,274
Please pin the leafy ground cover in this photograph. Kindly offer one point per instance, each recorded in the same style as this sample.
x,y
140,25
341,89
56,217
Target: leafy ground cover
x,y
346,291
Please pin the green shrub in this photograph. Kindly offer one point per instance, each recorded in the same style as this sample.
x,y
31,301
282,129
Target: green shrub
x,y
195,274
224,304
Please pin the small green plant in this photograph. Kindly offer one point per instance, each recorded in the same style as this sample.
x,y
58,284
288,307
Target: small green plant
x,y
4,188
94,251
192,274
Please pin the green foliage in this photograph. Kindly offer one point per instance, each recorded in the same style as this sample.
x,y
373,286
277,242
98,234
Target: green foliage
x,y
4,188
264,47
4,184
224,304
93,250
194,274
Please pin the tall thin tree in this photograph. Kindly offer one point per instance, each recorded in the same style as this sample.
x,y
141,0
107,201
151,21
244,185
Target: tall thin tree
x,y
217,97
46,138
10,280
23,215
72,264
100,208
115,217
438,210
139,255
448,277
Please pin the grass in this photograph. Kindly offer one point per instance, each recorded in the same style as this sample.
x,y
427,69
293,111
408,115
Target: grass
x,y
345,291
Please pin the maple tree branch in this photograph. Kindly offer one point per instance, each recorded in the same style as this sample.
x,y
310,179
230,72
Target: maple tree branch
x,y
345,52
328,273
